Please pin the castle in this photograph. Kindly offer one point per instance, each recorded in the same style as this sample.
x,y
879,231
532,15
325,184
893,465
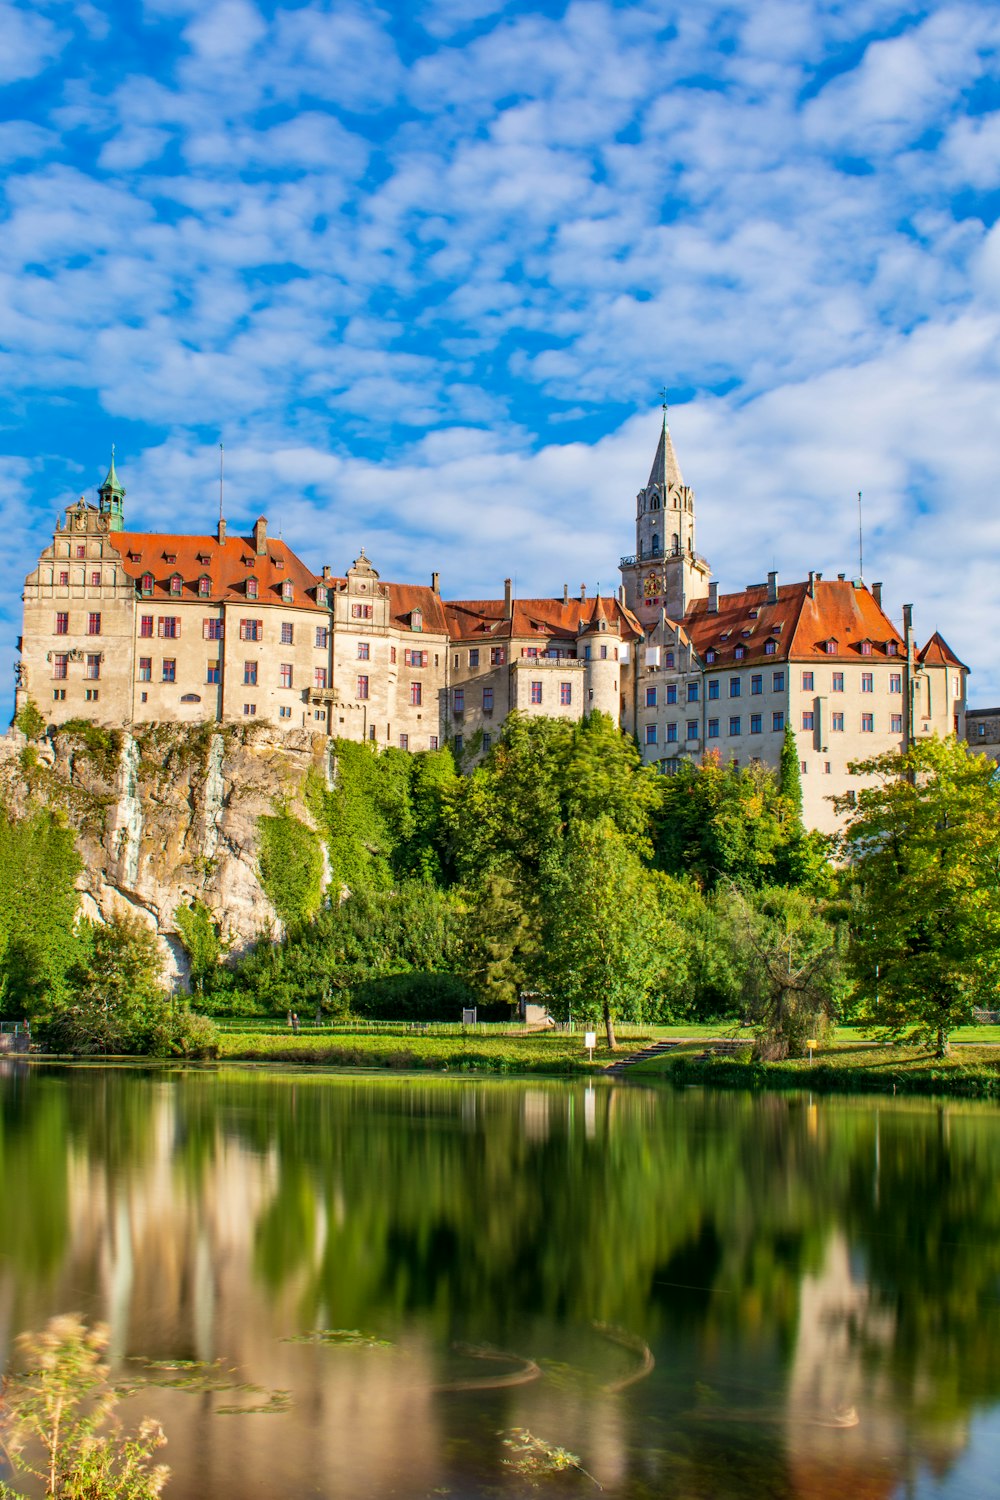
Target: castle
x,y
127,627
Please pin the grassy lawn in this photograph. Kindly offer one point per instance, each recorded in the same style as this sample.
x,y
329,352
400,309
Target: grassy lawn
x,y
540,1053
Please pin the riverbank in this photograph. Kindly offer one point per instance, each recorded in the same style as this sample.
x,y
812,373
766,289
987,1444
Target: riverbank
x,y
971,1072
556,1053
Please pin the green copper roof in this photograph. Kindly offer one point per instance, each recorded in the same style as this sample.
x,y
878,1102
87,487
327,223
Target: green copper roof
x,y
112,481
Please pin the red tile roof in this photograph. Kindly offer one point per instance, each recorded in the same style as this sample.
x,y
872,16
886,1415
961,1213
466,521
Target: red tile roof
x,y
476,619
227,564
937,653
404,598
799,625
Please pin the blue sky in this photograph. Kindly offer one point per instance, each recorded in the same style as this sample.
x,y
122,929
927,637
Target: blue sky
x,y
425,267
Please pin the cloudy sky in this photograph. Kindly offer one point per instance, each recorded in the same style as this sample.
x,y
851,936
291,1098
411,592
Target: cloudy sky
x,y
424,269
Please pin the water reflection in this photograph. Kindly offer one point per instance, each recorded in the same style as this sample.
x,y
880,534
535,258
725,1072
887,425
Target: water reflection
x,y
699,1294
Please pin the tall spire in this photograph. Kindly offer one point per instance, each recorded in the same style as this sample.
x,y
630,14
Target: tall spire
x,y
111,496
666,471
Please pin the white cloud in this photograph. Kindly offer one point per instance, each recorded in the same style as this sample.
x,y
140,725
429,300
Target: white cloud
x,y
30,42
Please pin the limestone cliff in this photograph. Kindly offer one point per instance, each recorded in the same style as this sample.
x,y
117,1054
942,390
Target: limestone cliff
x,y
166,814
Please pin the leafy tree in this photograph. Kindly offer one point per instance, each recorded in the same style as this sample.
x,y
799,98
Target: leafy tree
x,y
606,927
200,937
291,865
924,842
366,815
785,964
500,939
38,904
30,721
790,775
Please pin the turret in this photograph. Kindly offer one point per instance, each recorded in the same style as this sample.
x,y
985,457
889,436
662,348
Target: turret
x,y
665,572
111,498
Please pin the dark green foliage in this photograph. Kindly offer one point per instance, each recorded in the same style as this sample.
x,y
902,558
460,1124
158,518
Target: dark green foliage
x,y
291,866
38,902
102,747
412,997
790,775
501,939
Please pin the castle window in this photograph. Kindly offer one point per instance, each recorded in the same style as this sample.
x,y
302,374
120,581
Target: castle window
x,y
713,687
62,624
93,668
734,725
60,665
896,724
650,734
364,651
458,705
362,687
778,719
654,504
170,626
416,690
651,697
287,591
95,580
895,682
59,694
891,648
169,669
604,653
497,656
655,546
757,682
740,652
778,681
866,648
251,630
322,637
807,682
710,655
867,723
474,657
838,682
285,674
361,611
170,557
692,729
252,588
770,648
145,626
287,632
868,682
487,700
249,710
837,723
64,579
671,734
671,692
675,544
713,729
565,694
213,673
93,624
808,719
249,674
735,686
145,668
321,597
536,692
81,551
831,647
319,677
404,742
204,585
668,660
212,629
416,620
92,695
756,723
433,742
146,584
284,711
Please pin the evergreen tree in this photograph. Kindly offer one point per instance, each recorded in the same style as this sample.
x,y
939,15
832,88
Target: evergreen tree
x,y
790,776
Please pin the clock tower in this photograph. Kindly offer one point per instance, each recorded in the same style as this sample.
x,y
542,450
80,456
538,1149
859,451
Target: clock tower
x,y
665,573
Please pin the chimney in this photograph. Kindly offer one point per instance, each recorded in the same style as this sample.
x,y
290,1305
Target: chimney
x,y
326,573
221,531
436,583
260,536
713,598
583,593
772,588
877,594
508,599
565,593
812,584
841,577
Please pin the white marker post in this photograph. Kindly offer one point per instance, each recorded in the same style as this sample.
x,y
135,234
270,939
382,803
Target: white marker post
x,y
811,1043
590,1042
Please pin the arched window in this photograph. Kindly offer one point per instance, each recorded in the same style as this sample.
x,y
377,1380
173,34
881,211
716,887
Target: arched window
x,y
655,548
654,504
675,544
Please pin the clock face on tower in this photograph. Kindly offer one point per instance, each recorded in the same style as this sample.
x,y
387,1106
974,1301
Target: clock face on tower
x,y
651,587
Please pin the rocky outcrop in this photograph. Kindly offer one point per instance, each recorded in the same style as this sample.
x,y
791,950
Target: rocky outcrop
x,y
165,815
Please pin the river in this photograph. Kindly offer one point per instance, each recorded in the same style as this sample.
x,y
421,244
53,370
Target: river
x,y
378,1281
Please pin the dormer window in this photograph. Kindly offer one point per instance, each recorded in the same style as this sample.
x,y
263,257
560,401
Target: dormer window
x,y
170,557
287,591
754,613
775,629
133,557
891,648
740,652
770,647
279,562
746,634
830,647
709,657
176,583
146,584
204,585
416,620
251,588
866,648
322,598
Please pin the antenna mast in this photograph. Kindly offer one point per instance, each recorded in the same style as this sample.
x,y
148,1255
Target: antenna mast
x,y
861,543
222,461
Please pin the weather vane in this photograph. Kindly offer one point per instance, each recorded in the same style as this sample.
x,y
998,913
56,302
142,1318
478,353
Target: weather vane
x,y
663,393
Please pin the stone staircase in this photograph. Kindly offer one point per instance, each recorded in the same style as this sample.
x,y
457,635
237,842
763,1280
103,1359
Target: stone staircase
x,y
654,1049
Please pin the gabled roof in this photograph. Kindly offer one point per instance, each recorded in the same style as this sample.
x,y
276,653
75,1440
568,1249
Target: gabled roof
x,y
486,619
937,653
229,564
404,598
799,624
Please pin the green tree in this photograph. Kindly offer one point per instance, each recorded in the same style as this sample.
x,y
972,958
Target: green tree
x,y
291,865
500,939
924,846
606,927
719,823
29,720
790,775
785,966
38,904
200,937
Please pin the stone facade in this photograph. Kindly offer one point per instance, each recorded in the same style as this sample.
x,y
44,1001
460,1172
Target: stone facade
x,y
128,628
